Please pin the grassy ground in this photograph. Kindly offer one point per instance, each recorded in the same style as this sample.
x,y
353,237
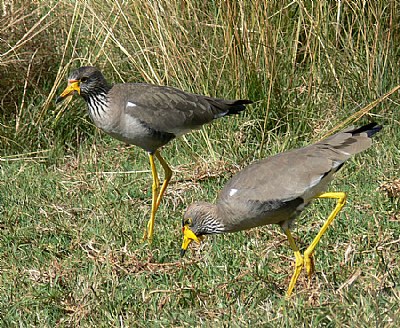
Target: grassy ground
x,y
74,202
71,250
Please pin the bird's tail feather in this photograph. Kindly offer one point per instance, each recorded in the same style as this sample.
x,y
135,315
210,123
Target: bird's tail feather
x,y
224,107
350,141
370,129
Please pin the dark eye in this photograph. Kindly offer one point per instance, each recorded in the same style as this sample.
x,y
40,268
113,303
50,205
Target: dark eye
x,y
187,221
84,79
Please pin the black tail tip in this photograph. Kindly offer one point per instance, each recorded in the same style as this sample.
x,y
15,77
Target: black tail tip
x,y
238,106
370,129
243,102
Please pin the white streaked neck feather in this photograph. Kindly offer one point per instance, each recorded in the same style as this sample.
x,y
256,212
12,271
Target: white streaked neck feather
x,y
212,226
99,110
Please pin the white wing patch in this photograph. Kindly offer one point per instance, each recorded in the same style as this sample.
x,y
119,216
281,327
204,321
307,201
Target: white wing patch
x,y
130,104
232,192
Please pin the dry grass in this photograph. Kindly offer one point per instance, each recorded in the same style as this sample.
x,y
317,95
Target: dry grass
x,y
392,188
224,49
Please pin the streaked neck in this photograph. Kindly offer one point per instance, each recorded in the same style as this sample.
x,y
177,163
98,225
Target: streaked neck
x,y
213,225
208,219
98,106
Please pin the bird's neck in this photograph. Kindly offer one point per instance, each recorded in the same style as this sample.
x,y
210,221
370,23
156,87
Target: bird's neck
x,y
212,220
98,105
97,99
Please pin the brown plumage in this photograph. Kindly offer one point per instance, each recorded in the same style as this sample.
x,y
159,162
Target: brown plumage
x,y
143,114
146,115
275,190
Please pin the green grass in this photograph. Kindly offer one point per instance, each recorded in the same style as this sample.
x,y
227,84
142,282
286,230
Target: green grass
x,y
74,202
71,250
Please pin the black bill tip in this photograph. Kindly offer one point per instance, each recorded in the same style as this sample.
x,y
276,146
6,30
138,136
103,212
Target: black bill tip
x,y
59,99
183,251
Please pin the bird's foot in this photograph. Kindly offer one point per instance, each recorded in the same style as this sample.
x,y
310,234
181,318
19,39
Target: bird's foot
x,y
298,266
309,264
148,232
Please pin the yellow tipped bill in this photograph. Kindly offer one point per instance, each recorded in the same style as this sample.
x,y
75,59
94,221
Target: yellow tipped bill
x,y
73,86
188,237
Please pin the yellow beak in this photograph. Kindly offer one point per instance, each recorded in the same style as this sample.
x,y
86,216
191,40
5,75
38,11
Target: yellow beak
x,y
73,86
188,237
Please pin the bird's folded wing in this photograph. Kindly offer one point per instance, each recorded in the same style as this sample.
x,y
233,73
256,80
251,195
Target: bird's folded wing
x,y
164,109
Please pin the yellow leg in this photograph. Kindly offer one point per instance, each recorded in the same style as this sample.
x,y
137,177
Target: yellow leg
x,y
341,200
298,265
167,178
148,233
307,260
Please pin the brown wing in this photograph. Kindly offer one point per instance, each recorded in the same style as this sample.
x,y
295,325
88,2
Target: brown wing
x,y
300,173
171,110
